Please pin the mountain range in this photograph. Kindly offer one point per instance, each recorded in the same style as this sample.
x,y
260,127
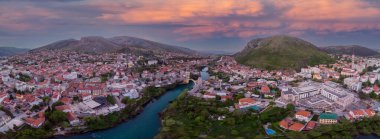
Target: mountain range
x,y
281,52
10,51
350,49
97,44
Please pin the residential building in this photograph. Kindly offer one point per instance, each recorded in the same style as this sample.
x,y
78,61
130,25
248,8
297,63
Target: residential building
x,y
4,118
303,115
328,118
73,119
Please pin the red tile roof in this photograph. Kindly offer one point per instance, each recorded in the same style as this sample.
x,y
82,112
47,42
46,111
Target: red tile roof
x,y
296,126
71,116
358,112
376,88
370,112
285,123
303,113
246,100
36,122
65,100
3,95
310,125
62,107
265,89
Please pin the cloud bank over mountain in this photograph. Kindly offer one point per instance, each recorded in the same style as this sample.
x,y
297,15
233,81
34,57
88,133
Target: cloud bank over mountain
x,y
195,24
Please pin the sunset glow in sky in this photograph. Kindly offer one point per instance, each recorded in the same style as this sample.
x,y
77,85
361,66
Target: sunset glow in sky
x,y
198,24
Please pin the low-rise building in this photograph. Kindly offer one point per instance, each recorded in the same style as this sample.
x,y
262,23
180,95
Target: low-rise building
x,y
63,108
328,118
4,118
360,113
303,115
73,119
310,125
246,102
296,127
35,122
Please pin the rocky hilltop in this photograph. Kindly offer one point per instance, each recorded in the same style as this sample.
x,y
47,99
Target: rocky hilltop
x,y
97,44
281,52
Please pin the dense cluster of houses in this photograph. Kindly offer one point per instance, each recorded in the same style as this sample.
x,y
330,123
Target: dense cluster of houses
x,y
31,83
322,94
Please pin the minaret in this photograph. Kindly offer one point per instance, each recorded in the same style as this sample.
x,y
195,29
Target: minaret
x,y
353,59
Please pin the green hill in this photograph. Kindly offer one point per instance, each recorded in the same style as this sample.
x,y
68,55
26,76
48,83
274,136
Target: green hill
x,y
281,52
351,49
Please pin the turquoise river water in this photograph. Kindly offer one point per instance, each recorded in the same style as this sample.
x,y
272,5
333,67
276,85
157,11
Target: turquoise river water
x,y
144,126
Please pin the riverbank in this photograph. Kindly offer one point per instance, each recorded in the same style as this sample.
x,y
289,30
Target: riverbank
x,y
138,107
190,117
147,119
97,123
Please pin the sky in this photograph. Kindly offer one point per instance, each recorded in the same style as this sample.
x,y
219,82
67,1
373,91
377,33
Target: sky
x,y
206,25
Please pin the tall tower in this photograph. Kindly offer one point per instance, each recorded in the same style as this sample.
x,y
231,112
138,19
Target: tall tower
x,y
353,59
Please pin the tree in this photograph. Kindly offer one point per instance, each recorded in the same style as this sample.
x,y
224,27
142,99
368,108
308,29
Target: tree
x,y
24,77
363,96
76,98
272,103
58,103
218,98
366,84
46,99
125,100
35,108
373,95
290,107
111,99
314,134
57,116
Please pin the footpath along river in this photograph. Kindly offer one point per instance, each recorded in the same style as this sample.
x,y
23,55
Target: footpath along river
x,y
144,126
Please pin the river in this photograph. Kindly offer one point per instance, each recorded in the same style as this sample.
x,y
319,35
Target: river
x,y
366,137
144,126
147,124
204,73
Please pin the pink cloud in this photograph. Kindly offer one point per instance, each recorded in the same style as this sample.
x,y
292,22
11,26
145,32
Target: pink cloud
x,y
210,18
335,10
14,18
173,11
298,15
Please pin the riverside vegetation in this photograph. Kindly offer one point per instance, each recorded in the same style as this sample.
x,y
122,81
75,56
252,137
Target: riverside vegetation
x,y
190,117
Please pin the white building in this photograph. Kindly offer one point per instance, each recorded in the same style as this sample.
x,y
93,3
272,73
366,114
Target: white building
x,y
56,96
132,94
372,78
70,76
4,118
353,83
303,115
152,62
364,78
348,72
329,90
333,92
305,90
